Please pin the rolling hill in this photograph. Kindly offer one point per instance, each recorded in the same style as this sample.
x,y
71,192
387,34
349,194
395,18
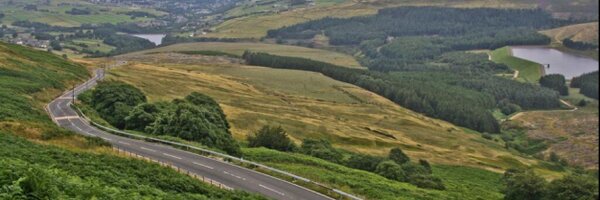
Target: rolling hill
x,y
40,160
256,25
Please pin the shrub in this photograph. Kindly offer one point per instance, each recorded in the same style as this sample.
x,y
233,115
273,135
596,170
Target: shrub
x,y
487,136
321,149
391,170
523,185
363,162
572,187
398,156
582,103
427,181
272,138
425,165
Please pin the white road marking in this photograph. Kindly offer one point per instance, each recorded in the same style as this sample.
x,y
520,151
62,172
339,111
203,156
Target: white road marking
x,y
195,163
66,117
144,148
124,143
166,154
108,139
234,175
272,190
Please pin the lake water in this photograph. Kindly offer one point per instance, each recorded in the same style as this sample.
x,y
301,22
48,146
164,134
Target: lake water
x,y
154,38
560,62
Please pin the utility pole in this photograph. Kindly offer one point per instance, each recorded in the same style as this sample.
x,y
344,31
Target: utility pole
x,y
73,97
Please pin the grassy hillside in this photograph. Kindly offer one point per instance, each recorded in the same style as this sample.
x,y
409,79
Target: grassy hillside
x,y
57,164
254,24
572,135
310,105
283,50
587,32
54,13
461,182
528,71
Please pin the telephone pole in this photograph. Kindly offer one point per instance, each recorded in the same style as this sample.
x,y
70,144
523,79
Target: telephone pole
x,y
73,97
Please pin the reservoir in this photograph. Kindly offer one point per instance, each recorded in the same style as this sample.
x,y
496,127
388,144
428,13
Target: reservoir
x,y
560,62
154,38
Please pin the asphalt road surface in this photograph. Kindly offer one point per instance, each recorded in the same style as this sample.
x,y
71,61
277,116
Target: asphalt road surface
x,y
230,175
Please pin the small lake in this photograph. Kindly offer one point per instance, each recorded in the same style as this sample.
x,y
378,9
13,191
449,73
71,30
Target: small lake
x,y
560,62
154,38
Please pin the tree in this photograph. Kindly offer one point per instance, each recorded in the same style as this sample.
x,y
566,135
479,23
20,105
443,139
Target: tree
x,y
141,116
573,187
194,122
113,101
556,82
273,138
523,185
55,44
391,170
398,156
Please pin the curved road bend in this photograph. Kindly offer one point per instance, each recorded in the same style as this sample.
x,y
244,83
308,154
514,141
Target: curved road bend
x,y
230,175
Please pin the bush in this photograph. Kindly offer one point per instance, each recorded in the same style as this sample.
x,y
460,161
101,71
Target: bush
x,y
272,138
425,165
523,185
398,156
363,162
427,181
582,103
321,149
391,170
486,136
572,187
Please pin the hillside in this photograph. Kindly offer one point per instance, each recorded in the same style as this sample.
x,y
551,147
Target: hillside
x,y
256,24
239,48
54,13
308,104
571,135
587,32
41,160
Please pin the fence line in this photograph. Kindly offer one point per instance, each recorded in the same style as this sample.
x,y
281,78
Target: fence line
x,y
210,152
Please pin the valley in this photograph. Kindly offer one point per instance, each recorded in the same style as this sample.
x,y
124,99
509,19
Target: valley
x,y
299,99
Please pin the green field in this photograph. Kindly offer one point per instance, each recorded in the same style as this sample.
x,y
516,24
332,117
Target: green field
x,y
528,71
92,44
276,49
54,14
42,161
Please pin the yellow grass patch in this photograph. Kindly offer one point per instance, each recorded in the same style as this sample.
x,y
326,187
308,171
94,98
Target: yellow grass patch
x,y
310,105
276,49
587,32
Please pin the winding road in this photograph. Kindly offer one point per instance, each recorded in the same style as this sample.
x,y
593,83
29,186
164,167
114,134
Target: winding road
x,y
227,174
